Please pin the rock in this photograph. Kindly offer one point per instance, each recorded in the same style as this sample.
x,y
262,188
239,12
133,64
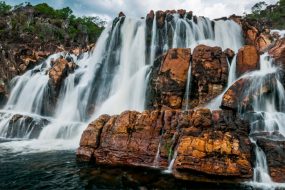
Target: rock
x,y
209,74
181,12
247,59
21,126
262,42
275,156
278,52
209,143
121,14
240,96
59,71
160,18
168,79
230,54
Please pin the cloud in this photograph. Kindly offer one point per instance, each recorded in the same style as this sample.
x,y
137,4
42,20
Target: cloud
x,y
139,8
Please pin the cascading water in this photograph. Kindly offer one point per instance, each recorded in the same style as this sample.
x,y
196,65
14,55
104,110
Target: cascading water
x,y
109,80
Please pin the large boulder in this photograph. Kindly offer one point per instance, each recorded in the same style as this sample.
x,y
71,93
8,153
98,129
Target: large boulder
x,y
209,74
247,60
202,144
168,79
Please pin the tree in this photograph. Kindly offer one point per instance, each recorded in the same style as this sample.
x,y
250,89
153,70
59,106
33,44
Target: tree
x,y
64,13
4,8
258,7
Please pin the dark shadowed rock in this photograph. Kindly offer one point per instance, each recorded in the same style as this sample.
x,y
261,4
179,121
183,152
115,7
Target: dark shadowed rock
x,y
209,74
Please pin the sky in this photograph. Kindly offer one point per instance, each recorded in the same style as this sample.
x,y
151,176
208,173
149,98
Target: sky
x,y
108,9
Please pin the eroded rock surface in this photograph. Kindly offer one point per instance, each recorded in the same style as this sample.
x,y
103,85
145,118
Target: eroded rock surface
x,y
209,143
168,79
247,60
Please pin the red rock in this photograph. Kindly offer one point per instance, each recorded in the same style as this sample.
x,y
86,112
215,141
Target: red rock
x,y
238,96
247,59
209,72
168,79
211,147
60,69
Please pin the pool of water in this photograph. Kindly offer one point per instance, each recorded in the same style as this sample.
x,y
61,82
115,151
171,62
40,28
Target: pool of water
x,y
58,169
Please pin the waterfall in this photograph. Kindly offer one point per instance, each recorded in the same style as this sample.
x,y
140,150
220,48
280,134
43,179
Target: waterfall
x,y
232,73
111,79
188,87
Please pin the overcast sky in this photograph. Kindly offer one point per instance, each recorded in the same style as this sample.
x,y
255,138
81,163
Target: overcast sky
x,y
109,9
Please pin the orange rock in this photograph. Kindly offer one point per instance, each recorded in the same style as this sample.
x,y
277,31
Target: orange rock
x,y
247,59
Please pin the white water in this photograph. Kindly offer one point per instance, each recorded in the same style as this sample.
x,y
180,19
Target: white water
x,y
267,107
188,87
232,73
112,78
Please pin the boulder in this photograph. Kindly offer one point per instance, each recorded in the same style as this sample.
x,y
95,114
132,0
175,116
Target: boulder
x,y
240,96
59,71
247,59
209,74
202,144
168,79
21,126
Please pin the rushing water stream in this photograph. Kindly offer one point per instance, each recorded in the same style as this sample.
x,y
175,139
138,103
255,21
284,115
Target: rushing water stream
x,y
113,78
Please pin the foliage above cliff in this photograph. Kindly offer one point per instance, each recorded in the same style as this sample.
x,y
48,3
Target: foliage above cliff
x,y
47,24
274,15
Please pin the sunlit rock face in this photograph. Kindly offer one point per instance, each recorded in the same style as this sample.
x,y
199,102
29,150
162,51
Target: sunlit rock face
x,y
168,79
205,142
247,59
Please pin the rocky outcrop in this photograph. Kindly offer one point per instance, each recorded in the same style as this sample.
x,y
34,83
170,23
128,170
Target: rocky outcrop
x,y
168,79
211,144
209,74
247,59
274,152
255,32
60,70
21,126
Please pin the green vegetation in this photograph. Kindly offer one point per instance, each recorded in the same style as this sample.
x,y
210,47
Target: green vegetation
x,y
4,8
273,14
52,24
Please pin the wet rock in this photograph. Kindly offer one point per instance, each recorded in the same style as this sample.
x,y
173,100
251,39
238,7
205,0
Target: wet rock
x,y
208,144
168,79
278,52
59,71
160,18
91,138
240,96
275,156
230,54
121,14
247,60
209,74
21,126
